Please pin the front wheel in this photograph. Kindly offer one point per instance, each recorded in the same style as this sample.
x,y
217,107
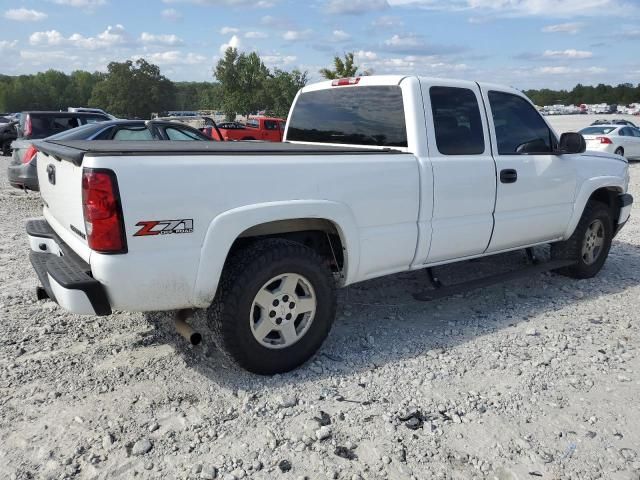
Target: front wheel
x,y
275,306
590,243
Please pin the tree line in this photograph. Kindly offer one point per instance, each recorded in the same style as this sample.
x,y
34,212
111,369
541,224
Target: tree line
x,y
136,89
622,94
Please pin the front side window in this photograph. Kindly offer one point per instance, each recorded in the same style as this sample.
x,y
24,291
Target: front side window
x,y
270,125
360,115
179,134
519,127
457,121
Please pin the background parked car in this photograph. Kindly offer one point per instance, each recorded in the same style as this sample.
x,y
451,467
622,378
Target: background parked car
x,y
262,128
8,134
615,121
38,125
24,174
206,125
618,139
91,110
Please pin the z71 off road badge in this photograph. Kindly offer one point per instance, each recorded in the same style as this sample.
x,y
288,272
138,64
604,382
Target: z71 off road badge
x,y
164,227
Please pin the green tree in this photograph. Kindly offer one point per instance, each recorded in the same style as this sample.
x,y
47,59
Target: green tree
x,y
133,90
282,88
342,68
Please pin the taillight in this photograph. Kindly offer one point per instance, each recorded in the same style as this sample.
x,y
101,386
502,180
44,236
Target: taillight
x,y
605,140
29,154
341,82
102,211
28,129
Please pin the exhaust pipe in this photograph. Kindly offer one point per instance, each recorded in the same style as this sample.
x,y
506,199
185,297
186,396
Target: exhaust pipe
x,y
184,329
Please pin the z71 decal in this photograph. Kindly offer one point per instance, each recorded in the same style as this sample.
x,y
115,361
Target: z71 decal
x,y
164,227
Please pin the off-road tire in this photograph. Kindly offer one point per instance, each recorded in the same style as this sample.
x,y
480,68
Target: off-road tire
x,y
245,273
571,249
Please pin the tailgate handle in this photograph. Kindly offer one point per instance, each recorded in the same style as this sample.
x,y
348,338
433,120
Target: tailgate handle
x,y
51,174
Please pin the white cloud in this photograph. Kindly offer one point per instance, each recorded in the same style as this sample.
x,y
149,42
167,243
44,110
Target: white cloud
x,y
24,15
564,70
355,7
403,41
165,39
293,35
8,45
234,42
228,3
568,54
175,57
256,35
81,3
546,8
340,36
171,14
387,21
278,60
228,30
112,36
366,55
571,28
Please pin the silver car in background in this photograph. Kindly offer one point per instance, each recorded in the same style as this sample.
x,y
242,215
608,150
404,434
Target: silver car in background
x,y
619,139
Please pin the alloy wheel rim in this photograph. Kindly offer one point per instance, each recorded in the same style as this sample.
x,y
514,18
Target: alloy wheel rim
x,y
593,242
282,311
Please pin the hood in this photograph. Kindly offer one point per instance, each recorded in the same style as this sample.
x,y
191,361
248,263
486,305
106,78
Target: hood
x,y
604,155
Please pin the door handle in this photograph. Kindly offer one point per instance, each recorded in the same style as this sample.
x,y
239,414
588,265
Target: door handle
x,y
508,175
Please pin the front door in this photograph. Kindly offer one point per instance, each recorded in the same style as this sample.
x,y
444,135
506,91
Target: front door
x,y
535,187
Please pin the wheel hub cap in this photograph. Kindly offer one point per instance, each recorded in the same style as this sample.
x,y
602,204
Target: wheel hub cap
x,y
282,311
593,242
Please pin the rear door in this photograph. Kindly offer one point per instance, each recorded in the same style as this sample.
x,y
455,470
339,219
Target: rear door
x,y
464,174
535,186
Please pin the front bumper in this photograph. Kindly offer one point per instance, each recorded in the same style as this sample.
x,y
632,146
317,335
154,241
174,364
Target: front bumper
x,y
625,202
24,176
65,277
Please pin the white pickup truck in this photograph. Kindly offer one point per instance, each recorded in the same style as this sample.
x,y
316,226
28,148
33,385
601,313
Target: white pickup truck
x,y
377,175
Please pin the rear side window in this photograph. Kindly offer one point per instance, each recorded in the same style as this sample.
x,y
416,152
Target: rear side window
x,y
133,133
93,119
270,125
350,115
519,127
457,121
44,126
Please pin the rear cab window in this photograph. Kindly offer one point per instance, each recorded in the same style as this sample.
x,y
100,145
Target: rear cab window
x,y
360,115
457,121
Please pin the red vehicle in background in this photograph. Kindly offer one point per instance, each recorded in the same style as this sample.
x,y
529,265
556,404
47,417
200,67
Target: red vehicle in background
x,y
269,129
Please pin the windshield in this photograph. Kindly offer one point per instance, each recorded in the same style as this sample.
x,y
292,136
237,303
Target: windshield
x,y
597,130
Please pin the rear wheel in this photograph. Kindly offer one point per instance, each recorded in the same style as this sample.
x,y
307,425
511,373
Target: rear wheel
x,y
619,151
6,149
275,306
590,243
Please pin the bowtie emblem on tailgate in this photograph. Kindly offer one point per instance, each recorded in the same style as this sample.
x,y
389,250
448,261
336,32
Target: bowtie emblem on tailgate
x,y
51,174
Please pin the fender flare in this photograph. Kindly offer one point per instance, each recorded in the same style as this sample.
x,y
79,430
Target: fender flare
x,y
586,190
227,227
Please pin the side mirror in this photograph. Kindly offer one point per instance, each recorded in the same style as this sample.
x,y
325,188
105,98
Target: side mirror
x,y
571,142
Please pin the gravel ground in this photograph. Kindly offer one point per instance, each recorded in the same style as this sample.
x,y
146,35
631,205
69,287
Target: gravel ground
x,y
535,379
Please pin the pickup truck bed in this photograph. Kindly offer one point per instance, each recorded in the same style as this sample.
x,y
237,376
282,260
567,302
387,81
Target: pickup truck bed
x,y
75,150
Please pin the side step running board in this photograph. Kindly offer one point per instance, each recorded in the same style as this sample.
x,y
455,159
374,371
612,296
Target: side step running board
x,y
448,290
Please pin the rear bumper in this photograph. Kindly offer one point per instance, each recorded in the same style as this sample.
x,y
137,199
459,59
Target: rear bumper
x,y
625,202
64,276
24,176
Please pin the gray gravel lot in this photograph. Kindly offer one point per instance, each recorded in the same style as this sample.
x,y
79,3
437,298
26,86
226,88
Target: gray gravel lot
x,y
535,379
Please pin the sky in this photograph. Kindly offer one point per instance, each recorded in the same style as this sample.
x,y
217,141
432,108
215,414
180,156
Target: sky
x,y
522,43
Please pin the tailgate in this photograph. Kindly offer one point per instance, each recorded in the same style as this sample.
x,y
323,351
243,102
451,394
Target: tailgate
x,y
61,189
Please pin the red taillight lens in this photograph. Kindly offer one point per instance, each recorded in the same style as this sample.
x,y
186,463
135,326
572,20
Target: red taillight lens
x,y
340,82
102,211
29,154
606,140
28,129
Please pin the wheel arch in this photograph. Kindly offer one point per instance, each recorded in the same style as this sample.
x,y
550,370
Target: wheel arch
x,y
603,189
296,220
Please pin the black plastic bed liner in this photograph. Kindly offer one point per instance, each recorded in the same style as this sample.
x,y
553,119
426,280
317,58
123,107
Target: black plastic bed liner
x,y
75,150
